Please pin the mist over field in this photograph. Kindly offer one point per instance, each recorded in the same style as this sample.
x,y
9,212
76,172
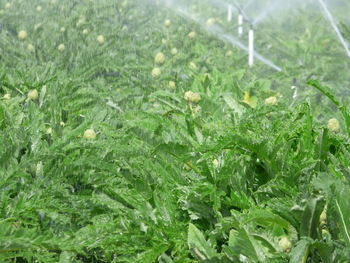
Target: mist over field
x,y
174,131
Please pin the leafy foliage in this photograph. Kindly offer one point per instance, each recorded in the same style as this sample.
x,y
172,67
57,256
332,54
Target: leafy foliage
x,y
162,179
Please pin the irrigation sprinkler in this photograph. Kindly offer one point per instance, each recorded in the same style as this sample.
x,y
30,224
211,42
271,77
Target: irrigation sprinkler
x,y
240,19
242,16
240,24
218,32
251,46
241,11
229,13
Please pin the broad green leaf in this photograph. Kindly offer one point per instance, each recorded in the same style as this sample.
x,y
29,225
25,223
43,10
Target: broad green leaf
x,y
343,210
300,252
197,243
266,218
233,104
243,243
310,220
42,95
325,250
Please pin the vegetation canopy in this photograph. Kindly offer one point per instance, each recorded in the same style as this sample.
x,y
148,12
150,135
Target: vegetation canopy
x,y
174,131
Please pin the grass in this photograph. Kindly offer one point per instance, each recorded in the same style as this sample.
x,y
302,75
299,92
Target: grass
x,y
226,179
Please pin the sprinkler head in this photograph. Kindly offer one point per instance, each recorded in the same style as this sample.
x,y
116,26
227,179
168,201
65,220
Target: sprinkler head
x,y
248,21
241,12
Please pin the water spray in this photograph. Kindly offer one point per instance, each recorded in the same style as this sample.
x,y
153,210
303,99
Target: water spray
x,y
335,27
240,10
251,46
240,24
268,11
219,33
229,13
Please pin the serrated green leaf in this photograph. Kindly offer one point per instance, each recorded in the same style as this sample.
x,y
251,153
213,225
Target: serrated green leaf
x,y
300,252
196,241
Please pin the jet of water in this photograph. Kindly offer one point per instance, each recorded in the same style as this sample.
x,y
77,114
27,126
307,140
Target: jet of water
x,y
335,27
265,13
224,4
277,6
219,33
235,42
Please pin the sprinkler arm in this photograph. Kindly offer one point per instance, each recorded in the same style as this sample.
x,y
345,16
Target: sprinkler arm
x,y
241,11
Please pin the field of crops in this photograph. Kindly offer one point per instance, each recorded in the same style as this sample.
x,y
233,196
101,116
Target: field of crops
x,y
134,131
